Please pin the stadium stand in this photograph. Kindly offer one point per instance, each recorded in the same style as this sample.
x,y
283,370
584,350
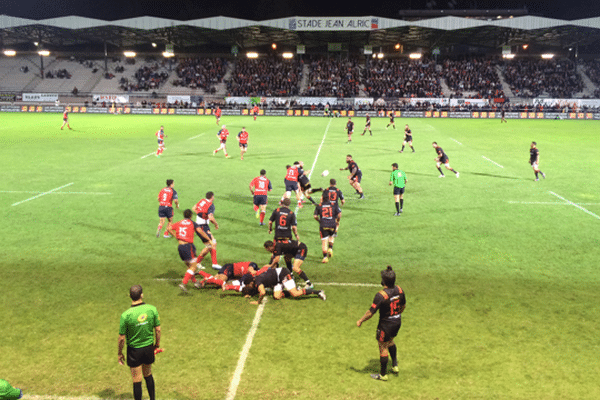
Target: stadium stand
x,y
265,77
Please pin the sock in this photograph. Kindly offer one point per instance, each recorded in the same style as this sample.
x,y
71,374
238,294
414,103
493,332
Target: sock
x,y
393,353
413,149
262,217
311,200
215,281
204,274
213,255
237,288
397,207
536,175
331,245
302,275
199,259
255,208
189,274
453,171
383,361
402,148
137,390
310,291
439,169
401,204
324,254
150,386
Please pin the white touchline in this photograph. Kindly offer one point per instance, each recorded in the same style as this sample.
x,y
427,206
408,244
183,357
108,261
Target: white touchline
x,y
237,375
42,194
149,154
492,161
576,205
37,191
456,141
197,136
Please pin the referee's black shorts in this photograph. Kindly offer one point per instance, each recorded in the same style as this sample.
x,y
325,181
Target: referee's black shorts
x,y
137,357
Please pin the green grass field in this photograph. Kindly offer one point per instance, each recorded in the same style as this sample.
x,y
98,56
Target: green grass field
x,y
500,272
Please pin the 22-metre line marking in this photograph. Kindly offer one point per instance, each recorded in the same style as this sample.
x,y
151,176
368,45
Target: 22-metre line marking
x,y
492,161
585,210
42,194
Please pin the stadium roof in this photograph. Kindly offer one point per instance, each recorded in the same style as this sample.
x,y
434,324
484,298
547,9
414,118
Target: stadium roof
x,y
491,30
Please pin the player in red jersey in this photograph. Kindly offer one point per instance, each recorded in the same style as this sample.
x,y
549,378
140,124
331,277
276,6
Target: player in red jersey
x,y
242,138
185,231
242,272
255,111
291,182
205,210
65,120
218,115
222,135
166,197
160,135
259,187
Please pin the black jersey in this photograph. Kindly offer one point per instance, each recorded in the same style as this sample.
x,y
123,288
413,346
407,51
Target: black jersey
x,y
533,155
390,303
332,195
391,118
441,155
350,126
290,248
284,219
328,214
272,277
368,121
353,167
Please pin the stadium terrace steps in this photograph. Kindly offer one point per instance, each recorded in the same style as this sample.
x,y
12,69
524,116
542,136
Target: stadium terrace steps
x,y
508,93
589,87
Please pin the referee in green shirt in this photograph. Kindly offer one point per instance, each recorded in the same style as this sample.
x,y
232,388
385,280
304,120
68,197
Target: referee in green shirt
x,y
7,392
398,179
140,329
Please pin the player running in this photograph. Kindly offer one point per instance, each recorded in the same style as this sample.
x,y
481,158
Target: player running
x,y
205,210
160,135
407,139
355,175
392,123
242,138
255,111
222,135
328,216
534,160
184,232
166,197
332,194
442,158
260,187
65,120
350,129
367,125
305,186
218,114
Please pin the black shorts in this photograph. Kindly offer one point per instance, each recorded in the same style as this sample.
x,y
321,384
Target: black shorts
x,y
357,177
398,191
387,331
187,251
206,230
141,356
260,199
301,253
244,145
290,186
327,232
227,270
408,138
165,212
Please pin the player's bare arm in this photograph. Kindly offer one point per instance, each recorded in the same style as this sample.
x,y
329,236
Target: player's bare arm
x,y
203,234
211,218
261,294
364,318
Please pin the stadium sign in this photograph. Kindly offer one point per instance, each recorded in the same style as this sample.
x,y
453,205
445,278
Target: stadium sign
x,y
111,98
40,97
333,24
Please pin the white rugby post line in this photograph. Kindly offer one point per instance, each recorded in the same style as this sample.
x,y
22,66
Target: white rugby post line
x,y
492,161
42,194
585,210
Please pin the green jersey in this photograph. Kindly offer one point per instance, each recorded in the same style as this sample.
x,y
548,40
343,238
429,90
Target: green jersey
x,y
138,323
7,392
398,178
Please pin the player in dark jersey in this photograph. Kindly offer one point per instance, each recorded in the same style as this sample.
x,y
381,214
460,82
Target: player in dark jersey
x,y
280,279
228,272
355,175
503,115
390,302
328,216
285,222
392,123
332,194
367,125
289,249
350,129
305,186
442,158
534,160
407,139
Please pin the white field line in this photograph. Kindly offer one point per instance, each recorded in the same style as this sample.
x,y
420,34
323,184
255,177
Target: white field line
x,y
239,369
197,136
51,397
456,141
147,155
492,161
37,191
576,205
343,284
42,194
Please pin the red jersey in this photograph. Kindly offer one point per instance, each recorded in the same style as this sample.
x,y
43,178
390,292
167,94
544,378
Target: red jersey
x,y
241,268
203,208
223,133
255,110
166,197
218,112
65,114
160,134
243,137
185,230
261,185
292,174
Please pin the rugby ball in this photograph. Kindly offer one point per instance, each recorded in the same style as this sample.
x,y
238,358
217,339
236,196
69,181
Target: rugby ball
x,y
325,173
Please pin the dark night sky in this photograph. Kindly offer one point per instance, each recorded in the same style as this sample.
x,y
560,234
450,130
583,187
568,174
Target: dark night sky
x,y
271,9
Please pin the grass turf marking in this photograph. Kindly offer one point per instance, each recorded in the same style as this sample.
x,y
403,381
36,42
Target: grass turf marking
x,y
585,210
147,155
492,161
456,141
42,194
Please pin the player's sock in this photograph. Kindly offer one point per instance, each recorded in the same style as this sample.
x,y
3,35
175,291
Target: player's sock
x,y
189,274
402,148
413,149
310,291
439,169
302,275
536,175
393,353
255,208
204,274
401,204
237,288
215,281
213,256
384,362
199,259
311,200
137,390
397,207
150,386
325,254
262,217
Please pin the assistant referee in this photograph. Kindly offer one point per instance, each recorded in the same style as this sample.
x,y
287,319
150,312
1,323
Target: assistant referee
x,y
140,329
398,179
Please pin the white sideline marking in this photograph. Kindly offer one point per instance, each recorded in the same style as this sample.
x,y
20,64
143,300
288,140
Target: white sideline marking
x,y
237,375
37,191
552,203
492,161
456,141
197,136
576,205
42,194
148,155
349,284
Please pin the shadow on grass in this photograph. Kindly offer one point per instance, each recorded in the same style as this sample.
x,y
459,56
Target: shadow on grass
x,y
496,176
371,367
111,394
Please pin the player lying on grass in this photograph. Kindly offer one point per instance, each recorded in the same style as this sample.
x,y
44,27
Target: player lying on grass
x,y
289,249
230,271
280,280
